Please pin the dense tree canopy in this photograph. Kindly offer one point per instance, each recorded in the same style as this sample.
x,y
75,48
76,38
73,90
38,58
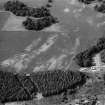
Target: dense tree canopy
x,y
57,81
39,24
20,9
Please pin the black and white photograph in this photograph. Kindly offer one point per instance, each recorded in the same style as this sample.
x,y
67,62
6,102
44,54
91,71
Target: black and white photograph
x,y
52,52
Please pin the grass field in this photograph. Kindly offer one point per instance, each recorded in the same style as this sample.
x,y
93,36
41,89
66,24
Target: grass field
x,y
78,23
16,42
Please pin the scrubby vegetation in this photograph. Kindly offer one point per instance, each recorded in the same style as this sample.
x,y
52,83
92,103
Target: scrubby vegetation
x,y
20,9
49,3
88,100
103,56
57,81
100,7
39,24
85,58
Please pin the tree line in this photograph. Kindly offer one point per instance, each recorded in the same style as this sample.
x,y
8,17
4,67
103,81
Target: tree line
x,y
21,9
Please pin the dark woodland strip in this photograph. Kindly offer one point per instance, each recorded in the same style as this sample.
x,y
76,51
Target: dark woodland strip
x,y
21,88
55,82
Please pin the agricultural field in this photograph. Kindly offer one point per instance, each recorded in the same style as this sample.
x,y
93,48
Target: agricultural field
x,y
76,30
38,37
